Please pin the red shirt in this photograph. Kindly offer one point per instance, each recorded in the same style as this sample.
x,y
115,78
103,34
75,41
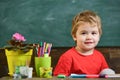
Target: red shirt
x,y
73,62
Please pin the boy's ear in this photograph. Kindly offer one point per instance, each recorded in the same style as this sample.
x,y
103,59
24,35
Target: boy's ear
x,y
74,37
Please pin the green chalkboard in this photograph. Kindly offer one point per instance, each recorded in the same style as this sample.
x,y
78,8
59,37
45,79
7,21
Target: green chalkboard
x,y
50,20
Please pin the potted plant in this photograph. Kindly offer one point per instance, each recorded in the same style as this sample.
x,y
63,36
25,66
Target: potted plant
x,y
18,53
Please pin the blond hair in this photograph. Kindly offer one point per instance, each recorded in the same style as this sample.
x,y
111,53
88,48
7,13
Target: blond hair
x,y
86,17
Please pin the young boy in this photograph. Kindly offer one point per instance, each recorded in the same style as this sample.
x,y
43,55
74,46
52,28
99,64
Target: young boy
x,y
83,58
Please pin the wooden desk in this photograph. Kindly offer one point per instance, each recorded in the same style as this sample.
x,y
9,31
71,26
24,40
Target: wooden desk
x,y
55,78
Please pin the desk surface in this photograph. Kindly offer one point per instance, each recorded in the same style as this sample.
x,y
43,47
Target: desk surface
x,y
55,78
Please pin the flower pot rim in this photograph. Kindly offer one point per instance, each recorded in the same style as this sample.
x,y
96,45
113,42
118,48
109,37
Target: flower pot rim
x,y
17,52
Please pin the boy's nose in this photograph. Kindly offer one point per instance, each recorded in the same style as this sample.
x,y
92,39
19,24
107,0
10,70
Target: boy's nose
x,y
89,36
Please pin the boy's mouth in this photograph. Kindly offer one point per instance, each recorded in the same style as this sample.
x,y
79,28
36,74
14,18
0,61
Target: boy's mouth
x,y
88,42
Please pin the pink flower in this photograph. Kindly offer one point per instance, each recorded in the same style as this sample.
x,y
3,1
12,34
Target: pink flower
x,y
18,37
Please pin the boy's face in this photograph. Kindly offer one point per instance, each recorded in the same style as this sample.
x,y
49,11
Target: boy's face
x,y
86,37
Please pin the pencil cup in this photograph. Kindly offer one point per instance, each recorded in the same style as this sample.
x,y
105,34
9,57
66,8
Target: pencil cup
x,y
44,62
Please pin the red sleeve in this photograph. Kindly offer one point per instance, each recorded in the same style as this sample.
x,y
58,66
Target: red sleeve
x,y
104,63
63,66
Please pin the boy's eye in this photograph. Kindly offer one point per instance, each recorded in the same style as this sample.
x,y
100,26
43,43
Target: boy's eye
x,y
94,33
83,33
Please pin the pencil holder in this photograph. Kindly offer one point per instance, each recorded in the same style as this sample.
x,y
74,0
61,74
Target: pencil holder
x,y
44,62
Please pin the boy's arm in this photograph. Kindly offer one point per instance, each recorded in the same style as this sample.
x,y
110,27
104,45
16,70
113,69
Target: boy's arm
x,y
63,66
